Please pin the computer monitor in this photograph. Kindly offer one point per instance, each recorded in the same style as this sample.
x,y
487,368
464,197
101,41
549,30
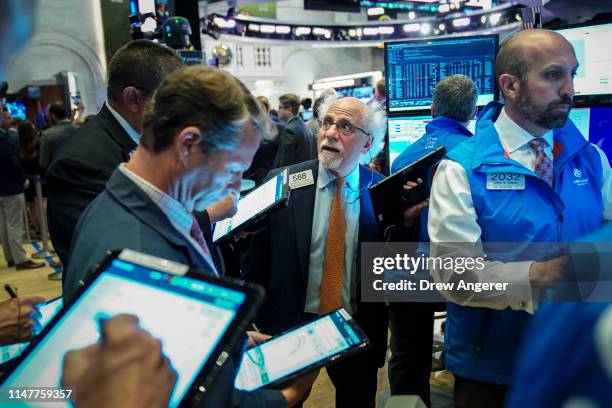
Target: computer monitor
x,y
16,109
413,68
364,93
405,130
594,76
595,124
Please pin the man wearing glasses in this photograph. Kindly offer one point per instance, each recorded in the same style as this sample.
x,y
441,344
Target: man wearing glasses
x,y
85,161
307,256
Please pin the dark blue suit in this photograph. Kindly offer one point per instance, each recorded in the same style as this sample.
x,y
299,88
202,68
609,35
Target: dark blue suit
x,y
123,216
279,260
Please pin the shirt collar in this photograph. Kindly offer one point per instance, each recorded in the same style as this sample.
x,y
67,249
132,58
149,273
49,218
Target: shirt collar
x,y
513,136
133,134
326,177
173,209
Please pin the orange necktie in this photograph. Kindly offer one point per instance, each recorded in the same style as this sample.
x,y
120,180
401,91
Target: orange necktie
x,y
332,281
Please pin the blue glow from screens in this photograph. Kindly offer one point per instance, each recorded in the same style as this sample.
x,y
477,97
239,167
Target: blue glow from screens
x,y
17,110
413,68
595,124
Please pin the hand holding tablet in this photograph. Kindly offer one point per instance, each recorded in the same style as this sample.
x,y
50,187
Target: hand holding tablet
x,y
140,374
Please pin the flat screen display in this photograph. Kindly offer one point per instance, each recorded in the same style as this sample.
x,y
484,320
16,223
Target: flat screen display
x,y
189,316
413,68
297,349
595,124
405,130
253,204
17,110
592,47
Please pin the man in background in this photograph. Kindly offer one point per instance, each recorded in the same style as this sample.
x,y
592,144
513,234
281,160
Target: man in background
x,y
295,143
52,138
87,158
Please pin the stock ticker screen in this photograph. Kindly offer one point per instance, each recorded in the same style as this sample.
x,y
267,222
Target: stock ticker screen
x,y
413,68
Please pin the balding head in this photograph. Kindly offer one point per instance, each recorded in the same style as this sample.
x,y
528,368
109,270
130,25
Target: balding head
x,y
535,71
517,52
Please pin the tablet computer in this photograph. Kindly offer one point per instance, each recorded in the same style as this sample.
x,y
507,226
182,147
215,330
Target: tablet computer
x,y
47,311
253,206
305,348
199,320
389,197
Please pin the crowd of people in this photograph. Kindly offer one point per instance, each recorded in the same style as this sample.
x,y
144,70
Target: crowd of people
x,y
163,161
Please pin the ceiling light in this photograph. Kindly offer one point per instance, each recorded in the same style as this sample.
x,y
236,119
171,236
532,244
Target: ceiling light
x,y
425,29
253,27
411,28
223,23
376,11
370,31
302,31
267,28
412,15
461,22
494,18
283,29
386,30
441,27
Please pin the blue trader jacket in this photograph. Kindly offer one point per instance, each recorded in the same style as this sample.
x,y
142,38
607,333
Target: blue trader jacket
x,y
442,131
482,344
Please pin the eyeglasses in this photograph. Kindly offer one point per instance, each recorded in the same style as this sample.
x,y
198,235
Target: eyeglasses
x,y
344,126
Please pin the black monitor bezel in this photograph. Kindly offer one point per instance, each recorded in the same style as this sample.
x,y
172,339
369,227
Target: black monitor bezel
x,y
233,334
406,112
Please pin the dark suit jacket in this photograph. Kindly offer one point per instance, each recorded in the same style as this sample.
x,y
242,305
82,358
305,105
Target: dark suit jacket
x,y
279,257
295,144
79,171
12,177
123,216
52,139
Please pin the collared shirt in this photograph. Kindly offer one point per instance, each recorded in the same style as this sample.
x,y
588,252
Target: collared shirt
x,y
133,134
326,189
451,200
178,216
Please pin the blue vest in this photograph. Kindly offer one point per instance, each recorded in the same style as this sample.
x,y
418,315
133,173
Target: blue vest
x,y
565,358
441,131
482,344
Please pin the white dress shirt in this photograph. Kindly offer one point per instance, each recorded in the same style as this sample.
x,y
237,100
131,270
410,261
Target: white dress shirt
x,y
452,218
326,189
132,133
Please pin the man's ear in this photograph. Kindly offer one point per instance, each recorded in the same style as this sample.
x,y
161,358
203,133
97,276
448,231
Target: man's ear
x,y
133,99
509,86
186,141
367,145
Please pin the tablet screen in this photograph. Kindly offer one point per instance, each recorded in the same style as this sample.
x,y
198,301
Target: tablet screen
x,y
254,203
296,350
47,311
189,317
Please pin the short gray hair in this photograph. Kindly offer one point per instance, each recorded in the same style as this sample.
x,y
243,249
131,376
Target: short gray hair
x,y
455,97
375,123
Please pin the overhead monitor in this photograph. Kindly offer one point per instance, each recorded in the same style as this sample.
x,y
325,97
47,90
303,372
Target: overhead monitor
x,y
405,130
413,68
594,76
17,110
